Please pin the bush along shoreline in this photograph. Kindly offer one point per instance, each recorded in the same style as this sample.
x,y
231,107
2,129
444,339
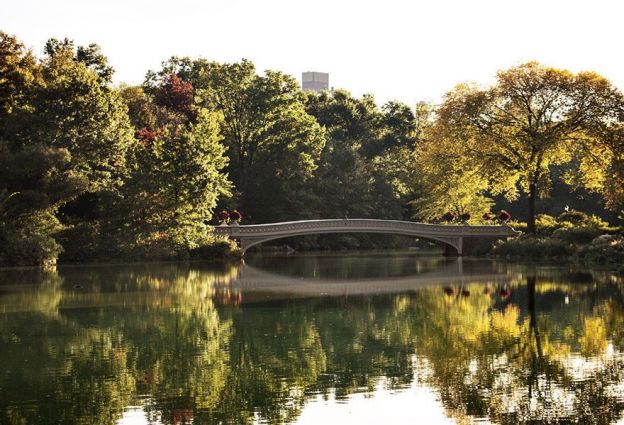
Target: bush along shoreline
x,y
572,236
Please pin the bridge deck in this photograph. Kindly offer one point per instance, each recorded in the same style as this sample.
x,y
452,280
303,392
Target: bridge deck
x,y
452,235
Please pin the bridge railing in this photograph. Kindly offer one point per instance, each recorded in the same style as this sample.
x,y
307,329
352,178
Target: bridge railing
x,y
362,225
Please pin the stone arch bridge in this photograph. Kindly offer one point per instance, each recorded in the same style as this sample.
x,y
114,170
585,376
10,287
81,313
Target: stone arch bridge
x,y
458,239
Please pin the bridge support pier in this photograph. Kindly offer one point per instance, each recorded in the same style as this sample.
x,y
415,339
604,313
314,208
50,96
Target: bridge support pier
x,y
450,251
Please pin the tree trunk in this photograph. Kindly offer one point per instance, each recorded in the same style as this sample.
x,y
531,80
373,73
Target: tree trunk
x,y
531,280
531,217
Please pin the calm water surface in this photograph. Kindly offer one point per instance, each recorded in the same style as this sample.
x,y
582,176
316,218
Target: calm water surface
x,y
312,339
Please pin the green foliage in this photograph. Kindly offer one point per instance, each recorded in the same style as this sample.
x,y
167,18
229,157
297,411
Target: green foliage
x,y
271,141
34,182
601,168
605,249
571,234
62,133
577,235
216,248
137,171
367,165
173,187
71,109
534,248
82,242
579,218
444,182
546,224
534,117
26,241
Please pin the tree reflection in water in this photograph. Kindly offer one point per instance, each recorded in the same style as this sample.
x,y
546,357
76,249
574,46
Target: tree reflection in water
x,y
82,344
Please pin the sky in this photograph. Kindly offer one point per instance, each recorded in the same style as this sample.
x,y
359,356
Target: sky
x,y
394,49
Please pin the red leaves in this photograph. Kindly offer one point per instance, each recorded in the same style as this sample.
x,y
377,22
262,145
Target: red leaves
x,y
504,216
175,94
147,137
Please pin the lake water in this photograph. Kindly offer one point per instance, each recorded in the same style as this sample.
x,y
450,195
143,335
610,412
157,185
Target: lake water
x,y
312,339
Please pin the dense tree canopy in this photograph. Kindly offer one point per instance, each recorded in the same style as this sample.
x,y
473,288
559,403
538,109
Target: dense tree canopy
x,y
271,141
139,170
602,161
365,167
534,117
174,184
62,134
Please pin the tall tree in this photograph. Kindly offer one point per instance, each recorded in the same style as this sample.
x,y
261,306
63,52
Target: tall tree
x,y
602,162
349,178
532,118
272,143
61,114
173,186
177,168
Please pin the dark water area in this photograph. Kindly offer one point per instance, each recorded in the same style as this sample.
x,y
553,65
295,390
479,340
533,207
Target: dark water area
x,y
330,338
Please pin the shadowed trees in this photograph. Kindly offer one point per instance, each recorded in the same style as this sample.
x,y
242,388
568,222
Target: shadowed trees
x,y
136,172
63,134
272,144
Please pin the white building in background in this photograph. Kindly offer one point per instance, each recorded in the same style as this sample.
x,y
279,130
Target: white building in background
x,y
315,81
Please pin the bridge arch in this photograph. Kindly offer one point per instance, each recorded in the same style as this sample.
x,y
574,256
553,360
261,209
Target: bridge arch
x,y
453,236
454,245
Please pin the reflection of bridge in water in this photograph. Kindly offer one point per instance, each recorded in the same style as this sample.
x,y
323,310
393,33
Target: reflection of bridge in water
x,y
462,239
457,272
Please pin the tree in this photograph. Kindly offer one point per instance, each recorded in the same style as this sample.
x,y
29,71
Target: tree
x,y
444,181
173,186
363,140
272,143
532,118
73,110
63,133
177,168
20,74
601,167
34,183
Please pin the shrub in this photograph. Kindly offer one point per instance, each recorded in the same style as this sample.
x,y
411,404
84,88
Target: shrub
x,y
546,224
577,235
28,250
580,219
574,217
605,249
533,247
80,242
518,225
29,242
216,249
